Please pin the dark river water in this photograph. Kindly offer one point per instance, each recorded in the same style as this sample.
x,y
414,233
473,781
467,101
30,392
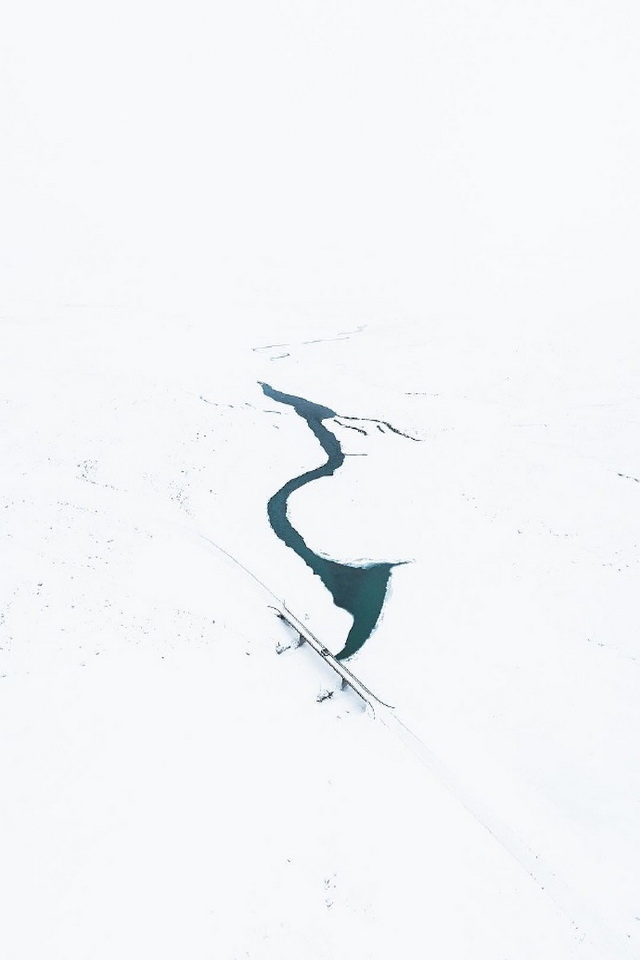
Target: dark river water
x,y
360,590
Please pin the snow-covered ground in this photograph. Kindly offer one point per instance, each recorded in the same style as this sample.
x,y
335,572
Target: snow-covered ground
x,y
426,216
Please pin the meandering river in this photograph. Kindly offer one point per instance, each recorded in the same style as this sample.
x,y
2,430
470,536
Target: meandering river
x,y
358,589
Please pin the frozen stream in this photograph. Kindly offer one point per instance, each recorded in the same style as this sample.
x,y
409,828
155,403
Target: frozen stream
x,y
360,590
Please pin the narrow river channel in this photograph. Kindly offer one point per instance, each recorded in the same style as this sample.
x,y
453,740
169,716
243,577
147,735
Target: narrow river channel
x,y
360,590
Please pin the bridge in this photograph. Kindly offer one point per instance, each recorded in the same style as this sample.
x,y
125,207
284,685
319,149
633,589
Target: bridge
x,y
348,678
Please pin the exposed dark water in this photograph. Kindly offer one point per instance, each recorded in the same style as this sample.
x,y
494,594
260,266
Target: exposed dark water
x,y
360,590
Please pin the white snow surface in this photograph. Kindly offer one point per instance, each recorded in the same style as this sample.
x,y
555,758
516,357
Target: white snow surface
x,y
425,215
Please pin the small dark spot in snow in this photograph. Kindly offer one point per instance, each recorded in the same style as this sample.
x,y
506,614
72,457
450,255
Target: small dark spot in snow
x,y
324,695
